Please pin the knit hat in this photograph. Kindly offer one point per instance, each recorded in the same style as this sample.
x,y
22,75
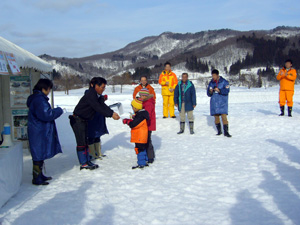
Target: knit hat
x,y
136,103
144,91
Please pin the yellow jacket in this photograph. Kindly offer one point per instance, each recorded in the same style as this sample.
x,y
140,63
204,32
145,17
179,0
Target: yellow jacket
x,y
287,79
167,77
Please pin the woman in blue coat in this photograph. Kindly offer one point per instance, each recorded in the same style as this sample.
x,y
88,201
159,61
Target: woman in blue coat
x,y
185,101
218,89
42,133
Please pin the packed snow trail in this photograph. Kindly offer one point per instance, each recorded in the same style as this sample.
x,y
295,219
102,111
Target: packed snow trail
x,y
251,178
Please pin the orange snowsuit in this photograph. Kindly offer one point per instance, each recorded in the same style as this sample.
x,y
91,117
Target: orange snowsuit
x,y
287,82
167,94
139,134
148,86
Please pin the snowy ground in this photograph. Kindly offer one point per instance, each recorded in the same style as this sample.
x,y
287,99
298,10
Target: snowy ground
x,y
252,178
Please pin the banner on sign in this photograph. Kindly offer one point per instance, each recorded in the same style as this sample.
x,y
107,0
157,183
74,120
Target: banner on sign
x,y
12,63
3,64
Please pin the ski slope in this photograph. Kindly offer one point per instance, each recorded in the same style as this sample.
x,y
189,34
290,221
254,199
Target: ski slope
x,y
251,178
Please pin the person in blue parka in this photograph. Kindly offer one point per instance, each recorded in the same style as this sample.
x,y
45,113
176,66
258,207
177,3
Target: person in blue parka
x,y
218,89
185,101
96,128
42,134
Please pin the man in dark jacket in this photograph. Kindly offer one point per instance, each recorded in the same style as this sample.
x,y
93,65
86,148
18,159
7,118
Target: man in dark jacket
x,y
42,134
218,89
96,128
185,101
84,111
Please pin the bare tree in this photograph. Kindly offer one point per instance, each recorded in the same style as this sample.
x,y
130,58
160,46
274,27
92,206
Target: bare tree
x,y
69,81
125,78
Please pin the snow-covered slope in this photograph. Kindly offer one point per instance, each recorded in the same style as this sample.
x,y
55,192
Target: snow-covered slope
x,y
216,46
226,56
251,178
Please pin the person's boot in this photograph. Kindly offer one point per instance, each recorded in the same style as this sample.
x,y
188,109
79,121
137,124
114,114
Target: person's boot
x,y
37,174
226,133
182,126
218,126
98,150
290,111
82,158
88,158
43,176
92,151
191,127
282,111
142,160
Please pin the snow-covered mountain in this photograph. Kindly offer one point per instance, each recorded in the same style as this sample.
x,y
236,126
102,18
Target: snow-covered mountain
x,y
218,48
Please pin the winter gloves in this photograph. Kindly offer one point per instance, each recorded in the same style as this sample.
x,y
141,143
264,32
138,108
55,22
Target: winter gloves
x,y
127,121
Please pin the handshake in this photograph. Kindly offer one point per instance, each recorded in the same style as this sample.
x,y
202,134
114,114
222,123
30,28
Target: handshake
x,y
127,121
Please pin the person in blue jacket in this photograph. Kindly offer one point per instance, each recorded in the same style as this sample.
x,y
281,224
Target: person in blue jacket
x,y
96,128
218,89
42,134
185,101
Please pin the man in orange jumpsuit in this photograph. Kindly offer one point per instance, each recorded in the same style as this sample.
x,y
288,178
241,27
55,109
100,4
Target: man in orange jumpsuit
x,y
168,81
287,77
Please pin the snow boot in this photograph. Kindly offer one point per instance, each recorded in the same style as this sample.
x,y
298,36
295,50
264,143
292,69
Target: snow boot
x,y
191,127
43,176
142,158
98,150
139,167
96,166
42,165
93,152
290,111
88,158
150,161
218,126
173,117
226,133
282,111
37,174
46,178
87,167
182,126
83,158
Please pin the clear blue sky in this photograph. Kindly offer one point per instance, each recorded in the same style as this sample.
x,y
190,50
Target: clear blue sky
x,y
76,28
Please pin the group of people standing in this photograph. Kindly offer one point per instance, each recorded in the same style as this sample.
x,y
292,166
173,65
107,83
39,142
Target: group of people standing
x,y
182,94
88,120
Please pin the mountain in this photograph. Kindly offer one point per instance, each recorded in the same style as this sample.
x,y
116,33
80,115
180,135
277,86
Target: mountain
x,y
213,48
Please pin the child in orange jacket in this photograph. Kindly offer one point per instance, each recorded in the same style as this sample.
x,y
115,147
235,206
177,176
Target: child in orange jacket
x,y
139,132
287,77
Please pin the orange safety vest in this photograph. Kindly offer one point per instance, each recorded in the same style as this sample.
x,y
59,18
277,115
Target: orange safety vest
x,y
287,79
139,134
167,77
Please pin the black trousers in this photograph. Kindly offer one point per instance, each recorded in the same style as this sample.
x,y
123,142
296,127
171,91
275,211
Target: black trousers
x,y
150,148
79,127
93,140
